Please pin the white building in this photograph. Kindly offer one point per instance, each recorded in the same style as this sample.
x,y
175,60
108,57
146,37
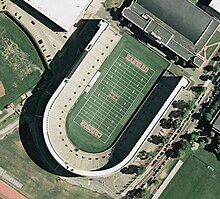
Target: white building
x,y
64,13
215,4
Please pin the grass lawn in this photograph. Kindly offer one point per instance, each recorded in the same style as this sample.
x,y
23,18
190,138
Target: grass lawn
x,y
215,38
115,96
202,53
210,51
20,64
193,1
38,184
113,4
195,180
178,71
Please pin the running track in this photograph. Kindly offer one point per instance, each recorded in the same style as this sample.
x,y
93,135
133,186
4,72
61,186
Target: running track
x,y
9,192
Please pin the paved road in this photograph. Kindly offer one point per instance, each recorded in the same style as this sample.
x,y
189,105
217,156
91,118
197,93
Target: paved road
x,y
9,129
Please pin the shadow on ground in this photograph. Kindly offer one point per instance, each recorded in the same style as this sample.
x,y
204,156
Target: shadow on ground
x,y
145,114
64,63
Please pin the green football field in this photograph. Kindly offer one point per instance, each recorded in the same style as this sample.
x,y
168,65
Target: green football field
x,y
20,65
126,77
195,180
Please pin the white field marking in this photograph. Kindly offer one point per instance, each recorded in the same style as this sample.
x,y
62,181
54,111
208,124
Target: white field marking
x,y
132,103
102,129
125,82
96,86
90,133
118,80
147,66
96,105
144,75
98,122
137,98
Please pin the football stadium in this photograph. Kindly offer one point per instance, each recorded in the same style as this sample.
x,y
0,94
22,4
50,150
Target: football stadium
x,y
92,108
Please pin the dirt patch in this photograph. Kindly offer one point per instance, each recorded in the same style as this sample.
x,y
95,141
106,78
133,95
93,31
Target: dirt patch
x,y
2,89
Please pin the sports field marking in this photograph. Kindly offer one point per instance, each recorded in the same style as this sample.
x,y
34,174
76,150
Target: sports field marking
x,y
133,60
151,69
100,139
89,128
116,94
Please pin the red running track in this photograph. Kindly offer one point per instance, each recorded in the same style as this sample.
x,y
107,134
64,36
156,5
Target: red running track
x,y
9,192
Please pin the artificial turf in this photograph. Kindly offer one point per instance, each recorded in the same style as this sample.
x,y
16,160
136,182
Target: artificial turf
x,y
123,79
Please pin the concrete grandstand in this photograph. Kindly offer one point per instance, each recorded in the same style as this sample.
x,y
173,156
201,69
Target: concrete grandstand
x,y
68,94
184,34
64,13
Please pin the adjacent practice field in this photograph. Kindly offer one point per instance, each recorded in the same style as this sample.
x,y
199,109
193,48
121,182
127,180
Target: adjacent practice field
x,y
126,77
196,179
20,64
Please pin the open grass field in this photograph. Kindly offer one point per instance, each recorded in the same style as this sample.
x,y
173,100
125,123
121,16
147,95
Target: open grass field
x,y
215,38
38,184
126,77
112,4
20,64
195,180
210,50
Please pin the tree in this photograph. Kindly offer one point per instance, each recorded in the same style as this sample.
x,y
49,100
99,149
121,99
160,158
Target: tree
x,y
198,89
165,140
194,136
184,114
202,144
184,145
209,68
180,153
175,113
180,104
190,104
141,169
129,25
208,116
164,123
218,138
121,19
176,123
212,111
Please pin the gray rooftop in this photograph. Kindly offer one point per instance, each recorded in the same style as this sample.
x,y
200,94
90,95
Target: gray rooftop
x,y
180,15
177,24
216,124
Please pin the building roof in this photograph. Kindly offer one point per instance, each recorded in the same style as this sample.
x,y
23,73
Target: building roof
x,y
64,13
180,15
215,4
216,124
177,24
